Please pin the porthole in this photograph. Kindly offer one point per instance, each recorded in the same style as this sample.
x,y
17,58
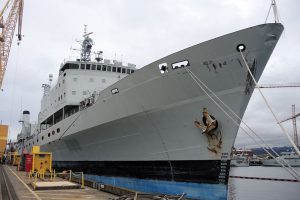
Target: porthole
x,y
58,130
37,140
53,132
42,137
48,134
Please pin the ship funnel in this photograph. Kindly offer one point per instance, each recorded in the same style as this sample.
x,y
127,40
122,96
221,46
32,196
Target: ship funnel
x,y
26,117
50,79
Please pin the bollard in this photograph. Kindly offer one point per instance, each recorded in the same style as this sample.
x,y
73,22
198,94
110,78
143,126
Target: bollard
x,y
70,177
54,176
135,196
34,183
82,180
29,176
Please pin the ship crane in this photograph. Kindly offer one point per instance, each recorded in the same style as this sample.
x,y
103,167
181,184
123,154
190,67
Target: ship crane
x,y
8,29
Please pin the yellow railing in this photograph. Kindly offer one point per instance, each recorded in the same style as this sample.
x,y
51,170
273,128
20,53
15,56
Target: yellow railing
x,y
53,175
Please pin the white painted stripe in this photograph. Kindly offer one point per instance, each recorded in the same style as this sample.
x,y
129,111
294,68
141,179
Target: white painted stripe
x,y
34,194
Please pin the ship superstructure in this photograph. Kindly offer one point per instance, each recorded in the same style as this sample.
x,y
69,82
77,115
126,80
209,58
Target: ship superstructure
x,y
78,86
155,129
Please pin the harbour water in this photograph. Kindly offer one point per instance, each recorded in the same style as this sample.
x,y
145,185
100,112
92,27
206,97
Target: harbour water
x,y
245,189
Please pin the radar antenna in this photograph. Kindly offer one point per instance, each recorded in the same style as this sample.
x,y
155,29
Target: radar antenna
x,y
86,45
86,48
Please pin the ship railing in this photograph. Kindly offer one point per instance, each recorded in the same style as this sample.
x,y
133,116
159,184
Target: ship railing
x,y
71,176
77,177
87,102
149,196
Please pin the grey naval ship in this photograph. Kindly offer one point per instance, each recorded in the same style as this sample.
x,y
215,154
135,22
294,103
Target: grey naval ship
x,y
153,129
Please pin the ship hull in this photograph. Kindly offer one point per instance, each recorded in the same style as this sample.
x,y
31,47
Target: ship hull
x,y
145,135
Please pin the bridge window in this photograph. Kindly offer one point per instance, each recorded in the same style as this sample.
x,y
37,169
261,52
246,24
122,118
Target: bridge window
x,y
82,66
88,67
93,67
123,70
98,67
128,71
104,68
119,69
114,69
74,66
108,68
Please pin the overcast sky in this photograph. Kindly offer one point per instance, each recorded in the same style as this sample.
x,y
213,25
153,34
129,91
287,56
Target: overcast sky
x,y
143,31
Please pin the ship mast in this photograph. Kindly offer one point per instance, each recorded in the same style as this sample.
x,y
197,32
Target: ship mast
x,y
86,46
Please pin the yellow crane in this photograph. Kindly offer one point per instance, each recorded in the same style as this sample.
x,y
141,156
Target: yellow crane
x,y
8,29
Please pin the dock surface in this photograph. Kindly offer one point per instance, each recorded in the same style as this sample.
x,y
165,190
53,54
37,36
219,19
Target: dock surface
x,y
20,188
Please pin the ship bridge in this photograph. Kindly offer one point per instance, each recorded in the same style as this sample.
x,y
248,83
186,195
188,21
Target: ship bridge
x,y
106,66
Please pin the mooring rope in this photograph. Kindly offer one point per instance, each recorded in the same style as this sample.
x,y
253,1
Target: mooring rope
x,y
277,159
268,105
290,170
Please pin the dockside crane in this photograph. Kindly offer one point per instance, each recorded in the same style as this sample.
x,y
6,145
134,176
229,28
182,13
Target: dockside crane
x,y
8,28
283,85
293,118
